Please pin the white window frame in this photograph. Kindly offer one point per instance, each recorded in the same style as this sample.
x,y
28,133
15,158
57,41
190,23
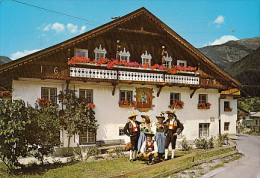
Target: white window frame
x,y
145,57
121,131
174,98
126,91
87,136
76,50
226,128
179,136
168,61
99,51
206,101
203,130
85,94
124,54
179,62
49,94
227,104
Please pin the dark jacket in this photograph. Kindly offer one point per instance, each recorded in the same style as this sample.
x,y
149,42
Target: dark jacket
x,y
128,129
176,129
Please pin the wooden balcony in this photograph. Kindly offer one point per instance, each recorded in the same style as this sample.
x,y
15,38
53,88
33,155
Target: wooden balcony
x,y
128,74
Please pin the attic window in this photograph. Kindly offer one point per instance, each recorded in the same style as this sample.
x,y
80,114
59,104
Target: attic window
x,y
124,56
146,58
100,53
81,52
168,61
182,63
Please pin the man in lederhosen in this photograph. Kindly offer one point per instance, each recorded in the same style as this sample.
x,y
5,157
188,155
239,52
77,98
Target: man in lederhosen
x,y
132,129
173,127
149,149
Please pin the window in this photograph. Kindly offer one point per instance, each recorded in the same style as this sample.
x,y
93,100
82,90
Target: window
x,y
81,52
202,98
146,58
226,126
174,97
87,94
100,53
182,63
88,136
126,95
179,136
203,130
121,131
124,56
168,61
226,105
49,93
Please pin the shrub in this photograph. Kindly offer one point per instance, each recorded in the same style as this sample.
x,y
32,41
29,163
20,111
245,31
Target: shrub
x,y
23,131
211,142
201,143
222,140
184,145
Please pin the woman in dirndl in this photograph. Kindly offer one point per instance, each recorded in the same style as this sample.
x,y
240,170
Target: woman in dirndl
x,y
160,136
145,127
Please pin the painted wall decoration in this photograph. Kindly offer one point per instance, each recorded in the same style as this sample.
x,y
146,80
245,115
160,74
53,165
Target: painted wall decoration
x,y
144,98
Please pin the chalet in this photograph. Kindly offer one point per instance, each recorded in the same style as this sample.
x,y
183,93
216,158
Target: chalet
x,y
135,58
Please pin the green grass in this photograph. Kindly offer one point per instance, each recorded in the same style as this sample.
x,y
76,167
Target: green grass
x,y
216,166
101,168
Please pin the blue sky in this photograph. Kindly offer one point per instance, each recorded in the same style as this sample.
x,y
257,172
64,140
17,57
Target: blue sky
x,y
25,28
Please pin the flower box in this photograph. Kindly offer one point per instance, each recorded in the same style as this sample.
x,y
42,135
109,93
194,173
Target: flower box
x,y
204,106
126,104
177,104
43,102
228,109
116,63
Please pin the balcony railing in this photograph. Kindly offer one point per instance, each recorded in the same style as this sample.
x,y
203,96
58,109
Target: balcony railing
x,y
132,76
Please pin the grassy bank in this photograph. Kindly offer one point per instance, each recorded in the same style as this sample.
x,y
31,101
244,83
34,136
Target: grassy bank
x,y
100,168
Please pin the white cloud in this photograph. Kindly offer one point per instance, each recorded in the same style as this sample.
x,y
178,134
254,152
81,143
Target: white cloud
x,y
83,29
20,54
223,39
72,28
47,28
219,19
58,27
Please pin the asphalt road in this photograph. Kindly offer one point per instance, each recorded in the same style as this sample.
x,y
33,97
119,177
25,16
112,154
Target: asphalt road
x,y
247,166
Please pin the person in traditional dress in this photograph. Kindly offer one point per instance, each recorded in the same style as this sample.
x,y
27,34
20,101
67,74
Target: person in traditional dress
x,y
132,129
144,128
173,127
160,136
149,149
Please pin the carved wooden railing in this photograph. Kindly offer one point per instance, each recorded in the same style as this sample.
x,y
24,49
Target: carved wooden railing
x,y
132,76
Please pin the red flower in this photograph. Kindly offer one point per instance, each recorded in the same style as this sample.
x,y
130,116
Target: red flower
x,y
177,104
43,102
204,105
127,103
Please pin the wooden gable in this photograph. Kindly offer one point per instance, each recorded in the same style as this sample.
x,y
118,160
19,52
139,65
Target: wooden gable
x,y
137,32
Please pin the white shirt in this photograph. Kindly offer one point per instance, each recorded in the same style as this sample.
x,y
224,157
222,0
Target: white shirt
x,y
133,123
143,148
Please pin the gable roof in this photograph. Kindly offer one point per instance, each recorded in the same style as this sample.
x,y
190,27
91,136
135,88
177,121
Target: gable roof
x,y
110,25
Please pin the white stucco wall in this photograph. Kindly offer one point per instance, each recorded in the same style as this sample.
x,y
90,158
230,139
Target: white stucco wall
x,y
228,116
110,116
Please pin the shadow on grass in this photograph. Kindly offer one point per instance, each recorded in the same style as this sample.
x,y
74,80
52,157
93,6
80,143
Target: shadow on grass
x,y
35,169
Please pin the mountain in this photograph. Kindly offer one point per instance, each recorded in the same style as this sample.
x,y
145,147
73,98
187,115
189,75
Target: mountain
x,y
247,71
4,59
226,54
